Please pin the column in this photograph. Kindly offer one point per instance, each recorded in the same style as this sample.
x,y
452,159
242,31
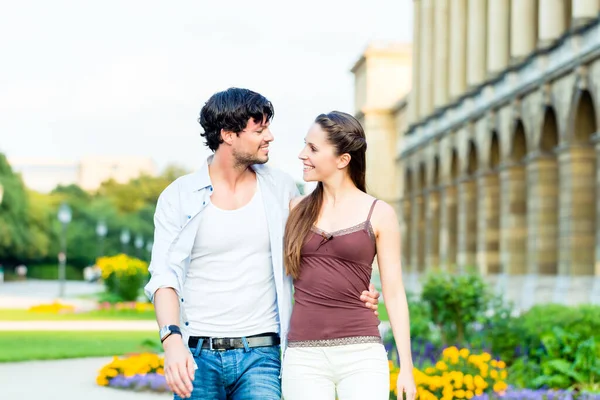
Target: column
x,y
585,10
523,28
448,230
432,226
542,214
553,20
467,223
413,103
406,232
458,48
513,219
440,26
488,230
414,222
577,210
596,139
498,37
476,41
426,59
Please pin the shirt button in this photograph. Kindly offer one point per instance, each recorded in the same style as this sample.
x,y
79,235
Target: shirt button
x,y
187,324
182,300
189,216
203,203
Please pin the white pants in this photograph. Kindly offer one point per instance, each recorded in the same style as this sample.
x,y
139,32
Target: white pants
x,y
355,371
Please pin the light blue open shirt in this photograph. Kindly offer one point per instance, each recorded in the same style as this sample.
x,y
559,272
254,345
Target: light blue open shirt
x,y
176,227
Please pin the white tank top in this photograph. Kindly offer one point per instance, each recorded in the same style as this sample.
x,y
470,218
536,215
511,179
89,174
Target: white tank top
x,y
229,290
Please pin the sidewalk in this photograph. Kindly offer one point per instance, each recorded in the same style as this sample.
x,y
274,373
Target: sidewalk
x,y
62,380
78,326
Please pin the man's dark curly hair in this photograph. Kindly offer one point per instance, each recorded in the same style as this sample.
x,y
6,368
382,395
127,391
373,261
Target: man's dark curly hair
x,y
230,110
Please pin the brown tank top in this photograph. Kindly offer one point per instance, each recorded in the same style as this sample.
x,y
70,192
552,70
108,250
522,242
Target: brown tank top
x,y
334,269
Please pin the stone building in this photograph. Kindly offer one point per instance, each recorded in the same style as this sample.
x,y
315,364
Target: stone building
x,y
496,145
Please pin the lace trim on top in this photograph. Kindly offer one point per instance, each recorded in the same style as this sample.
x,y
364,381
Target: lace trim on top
x,y
335,342
346,231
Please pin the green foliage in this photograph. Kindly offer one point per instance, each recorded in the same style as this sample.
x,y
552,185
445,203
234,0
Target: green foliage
x,y
570,361
30,232
455,301
50,271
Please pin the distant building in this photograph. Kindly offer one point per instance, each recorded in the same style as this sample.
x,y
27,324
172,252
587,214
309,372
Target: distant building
x,y
43,175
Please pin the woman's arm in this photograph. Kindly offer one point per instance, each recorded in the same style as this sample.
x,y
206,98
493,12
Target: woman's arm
x,y
388,258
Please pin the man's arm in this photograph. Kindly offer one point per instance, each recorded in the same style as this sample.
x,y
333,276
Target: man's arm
x,y
164,291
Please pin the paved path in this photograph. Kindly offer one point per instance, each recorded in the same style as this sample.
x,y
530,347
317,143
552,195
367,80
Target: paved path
x,y
24,294
62,380
78,326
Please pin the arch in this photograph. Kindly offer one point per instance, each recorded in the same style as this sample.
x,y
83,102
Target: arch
x,y
454,165
422,177
408,183
584,118
494,151
549,139
472,159
519,143
436,171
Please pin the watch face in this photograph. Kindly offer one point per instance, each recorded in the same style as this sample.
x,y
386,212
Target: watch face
x,y
164,331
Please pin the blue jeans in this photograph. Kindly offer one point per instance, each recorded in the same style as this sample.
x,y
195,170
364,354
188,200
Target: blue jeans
x,y
238,374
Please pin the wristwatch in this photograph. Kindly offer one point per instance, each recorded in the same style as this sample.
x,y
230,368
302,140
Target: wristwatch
x,y
168,330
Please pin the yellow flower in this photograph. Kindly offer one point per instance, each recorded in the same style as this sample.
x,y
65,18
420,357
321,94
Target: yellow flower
x,y
441,366
500,387
493,374
469,394
102,381
503,374
486,357
460,394
501,364
464,353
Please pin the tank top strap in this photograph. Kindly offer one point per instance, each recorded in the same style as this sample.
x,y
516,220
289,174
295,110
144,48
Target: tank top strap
x,y
371,210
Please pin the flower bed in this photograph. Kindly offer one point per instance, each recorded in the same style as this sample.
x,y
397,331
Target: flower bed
x,y
457,375
137,372
126,305
54,308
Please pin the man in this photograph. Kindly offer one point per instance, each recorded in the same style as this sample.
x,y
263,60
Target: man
x,y
222,299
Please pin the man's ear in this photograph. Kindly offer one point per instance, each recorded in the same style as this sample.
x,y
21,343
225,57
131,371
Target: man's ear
x,y
344,161
227,136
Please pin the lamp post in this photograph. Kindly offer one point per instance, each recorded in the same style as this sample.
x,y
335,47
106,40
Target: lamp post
x,y
64,217
125,238
139,243
101,231
1,193
149,246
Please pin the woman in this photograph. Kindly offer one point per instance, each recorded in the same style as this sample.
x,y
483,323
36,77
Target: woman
x,y
331,239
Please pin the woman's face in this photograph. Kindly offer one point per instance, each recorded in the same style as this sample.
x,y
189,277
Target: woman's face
x,y
318,156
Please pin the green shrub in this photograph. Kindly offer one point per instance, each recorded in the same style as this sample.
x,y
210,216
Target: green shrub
x,y
455,301
50,272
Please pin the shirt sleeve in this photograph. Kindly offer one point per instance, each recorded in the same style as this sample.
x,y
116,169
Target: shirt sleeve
x,y
166,229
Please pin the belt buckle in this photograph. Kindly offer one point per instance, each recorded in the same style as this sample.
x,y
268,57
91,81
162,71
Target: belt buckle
x,y
211,346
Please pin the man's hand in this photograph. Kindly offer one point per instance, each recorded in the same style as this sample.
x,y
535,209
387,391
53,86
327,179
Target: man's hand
x,y
179,366
371,298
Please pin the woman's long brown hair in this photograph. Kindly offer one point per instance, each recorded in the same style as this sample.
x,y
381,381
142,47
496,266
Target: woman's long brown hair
x,y
346,134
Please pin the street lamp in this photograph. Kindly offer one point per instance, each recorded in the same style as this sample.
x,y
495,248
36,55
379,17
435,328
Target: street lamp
x,y
101,231
139,243
149,246
125,238
64,217
1,193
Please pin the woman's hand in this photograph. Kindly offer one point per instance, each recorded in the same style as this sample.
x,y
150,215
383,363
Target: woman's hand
x,y
406,384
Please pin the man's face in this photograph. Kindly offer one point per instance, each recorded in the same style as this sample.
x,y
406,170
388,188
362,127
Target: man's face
x,y
251,146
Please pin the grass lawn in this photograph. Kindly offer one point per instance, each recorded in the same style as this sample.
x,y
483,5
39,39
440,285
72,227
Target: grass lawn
x,y
383,315
51,345
25,315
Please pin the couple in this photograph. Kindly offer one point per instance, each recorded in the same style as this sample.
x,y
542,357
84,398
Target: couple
x,y
234,239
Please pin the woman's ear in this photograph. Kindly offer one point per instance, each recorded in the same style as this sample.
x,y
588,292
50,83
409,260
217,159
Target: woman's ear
x,y
343,161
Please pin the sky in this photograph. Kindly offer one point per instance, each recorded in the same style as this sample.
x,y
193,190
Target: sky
x,y
81,78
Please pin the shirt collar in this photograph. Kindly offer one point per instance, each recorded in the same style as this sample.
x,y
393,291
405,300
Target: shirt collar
x,y
201,178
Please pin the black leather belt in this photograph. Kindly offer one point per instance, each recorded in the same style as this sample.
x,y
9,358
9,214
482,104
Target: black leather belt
x,y
223,344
